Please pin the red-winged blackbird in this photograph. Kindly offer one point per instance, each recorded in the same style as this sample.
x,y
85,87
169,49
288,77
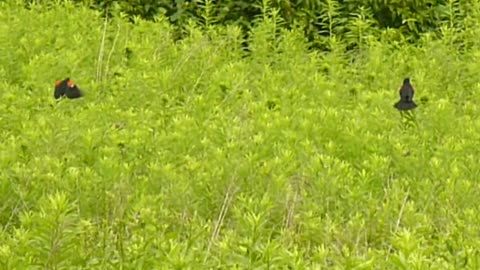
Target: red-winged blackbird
x,y
67,88
406,97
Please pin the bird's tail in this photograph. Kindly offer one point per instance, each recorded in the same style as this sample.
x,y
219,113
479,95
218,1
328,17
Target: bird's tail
x,y
404,106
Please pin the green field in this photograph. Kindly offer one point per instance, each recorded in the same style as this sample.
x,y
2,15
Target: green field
x,y
191,154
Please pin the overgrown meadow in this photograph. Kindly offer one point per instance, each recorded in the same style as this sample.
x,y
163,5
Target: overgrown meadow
x,y
195,154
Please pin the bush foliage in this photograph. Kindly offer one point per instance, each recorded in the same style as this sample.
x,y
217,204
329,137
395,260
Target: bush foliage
x,y
189,154
317,18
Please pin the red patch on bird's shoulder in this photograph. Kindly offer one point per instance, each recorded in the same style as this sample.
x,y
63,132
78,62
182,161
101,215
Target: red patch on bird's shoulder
x,y
57,83
70,84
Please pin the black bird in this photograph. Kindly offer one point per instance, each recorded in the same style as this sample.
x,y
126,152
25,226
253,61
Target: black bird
x,y
67,88
406,97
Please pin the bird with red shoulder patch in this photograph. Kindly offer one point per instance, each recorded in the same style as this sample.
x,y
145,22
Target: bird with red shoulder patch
x,y
67,88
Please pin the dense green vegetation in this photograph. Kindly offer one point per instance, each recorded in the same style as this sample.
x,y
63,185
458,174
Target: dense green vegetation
x,y
193,154
319,19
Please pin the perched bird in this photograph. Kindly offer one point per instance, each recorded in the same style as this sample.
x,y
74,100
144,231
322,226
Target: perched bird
x,y
67,88
406,97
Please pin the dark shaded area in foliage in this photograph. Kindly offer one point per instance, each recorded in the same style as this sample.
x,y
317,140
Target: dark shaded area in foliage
x,y
318,18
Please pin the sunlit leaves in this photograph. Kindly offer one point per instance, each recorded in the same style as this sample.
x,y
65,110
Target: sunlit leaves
x,y
303,151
